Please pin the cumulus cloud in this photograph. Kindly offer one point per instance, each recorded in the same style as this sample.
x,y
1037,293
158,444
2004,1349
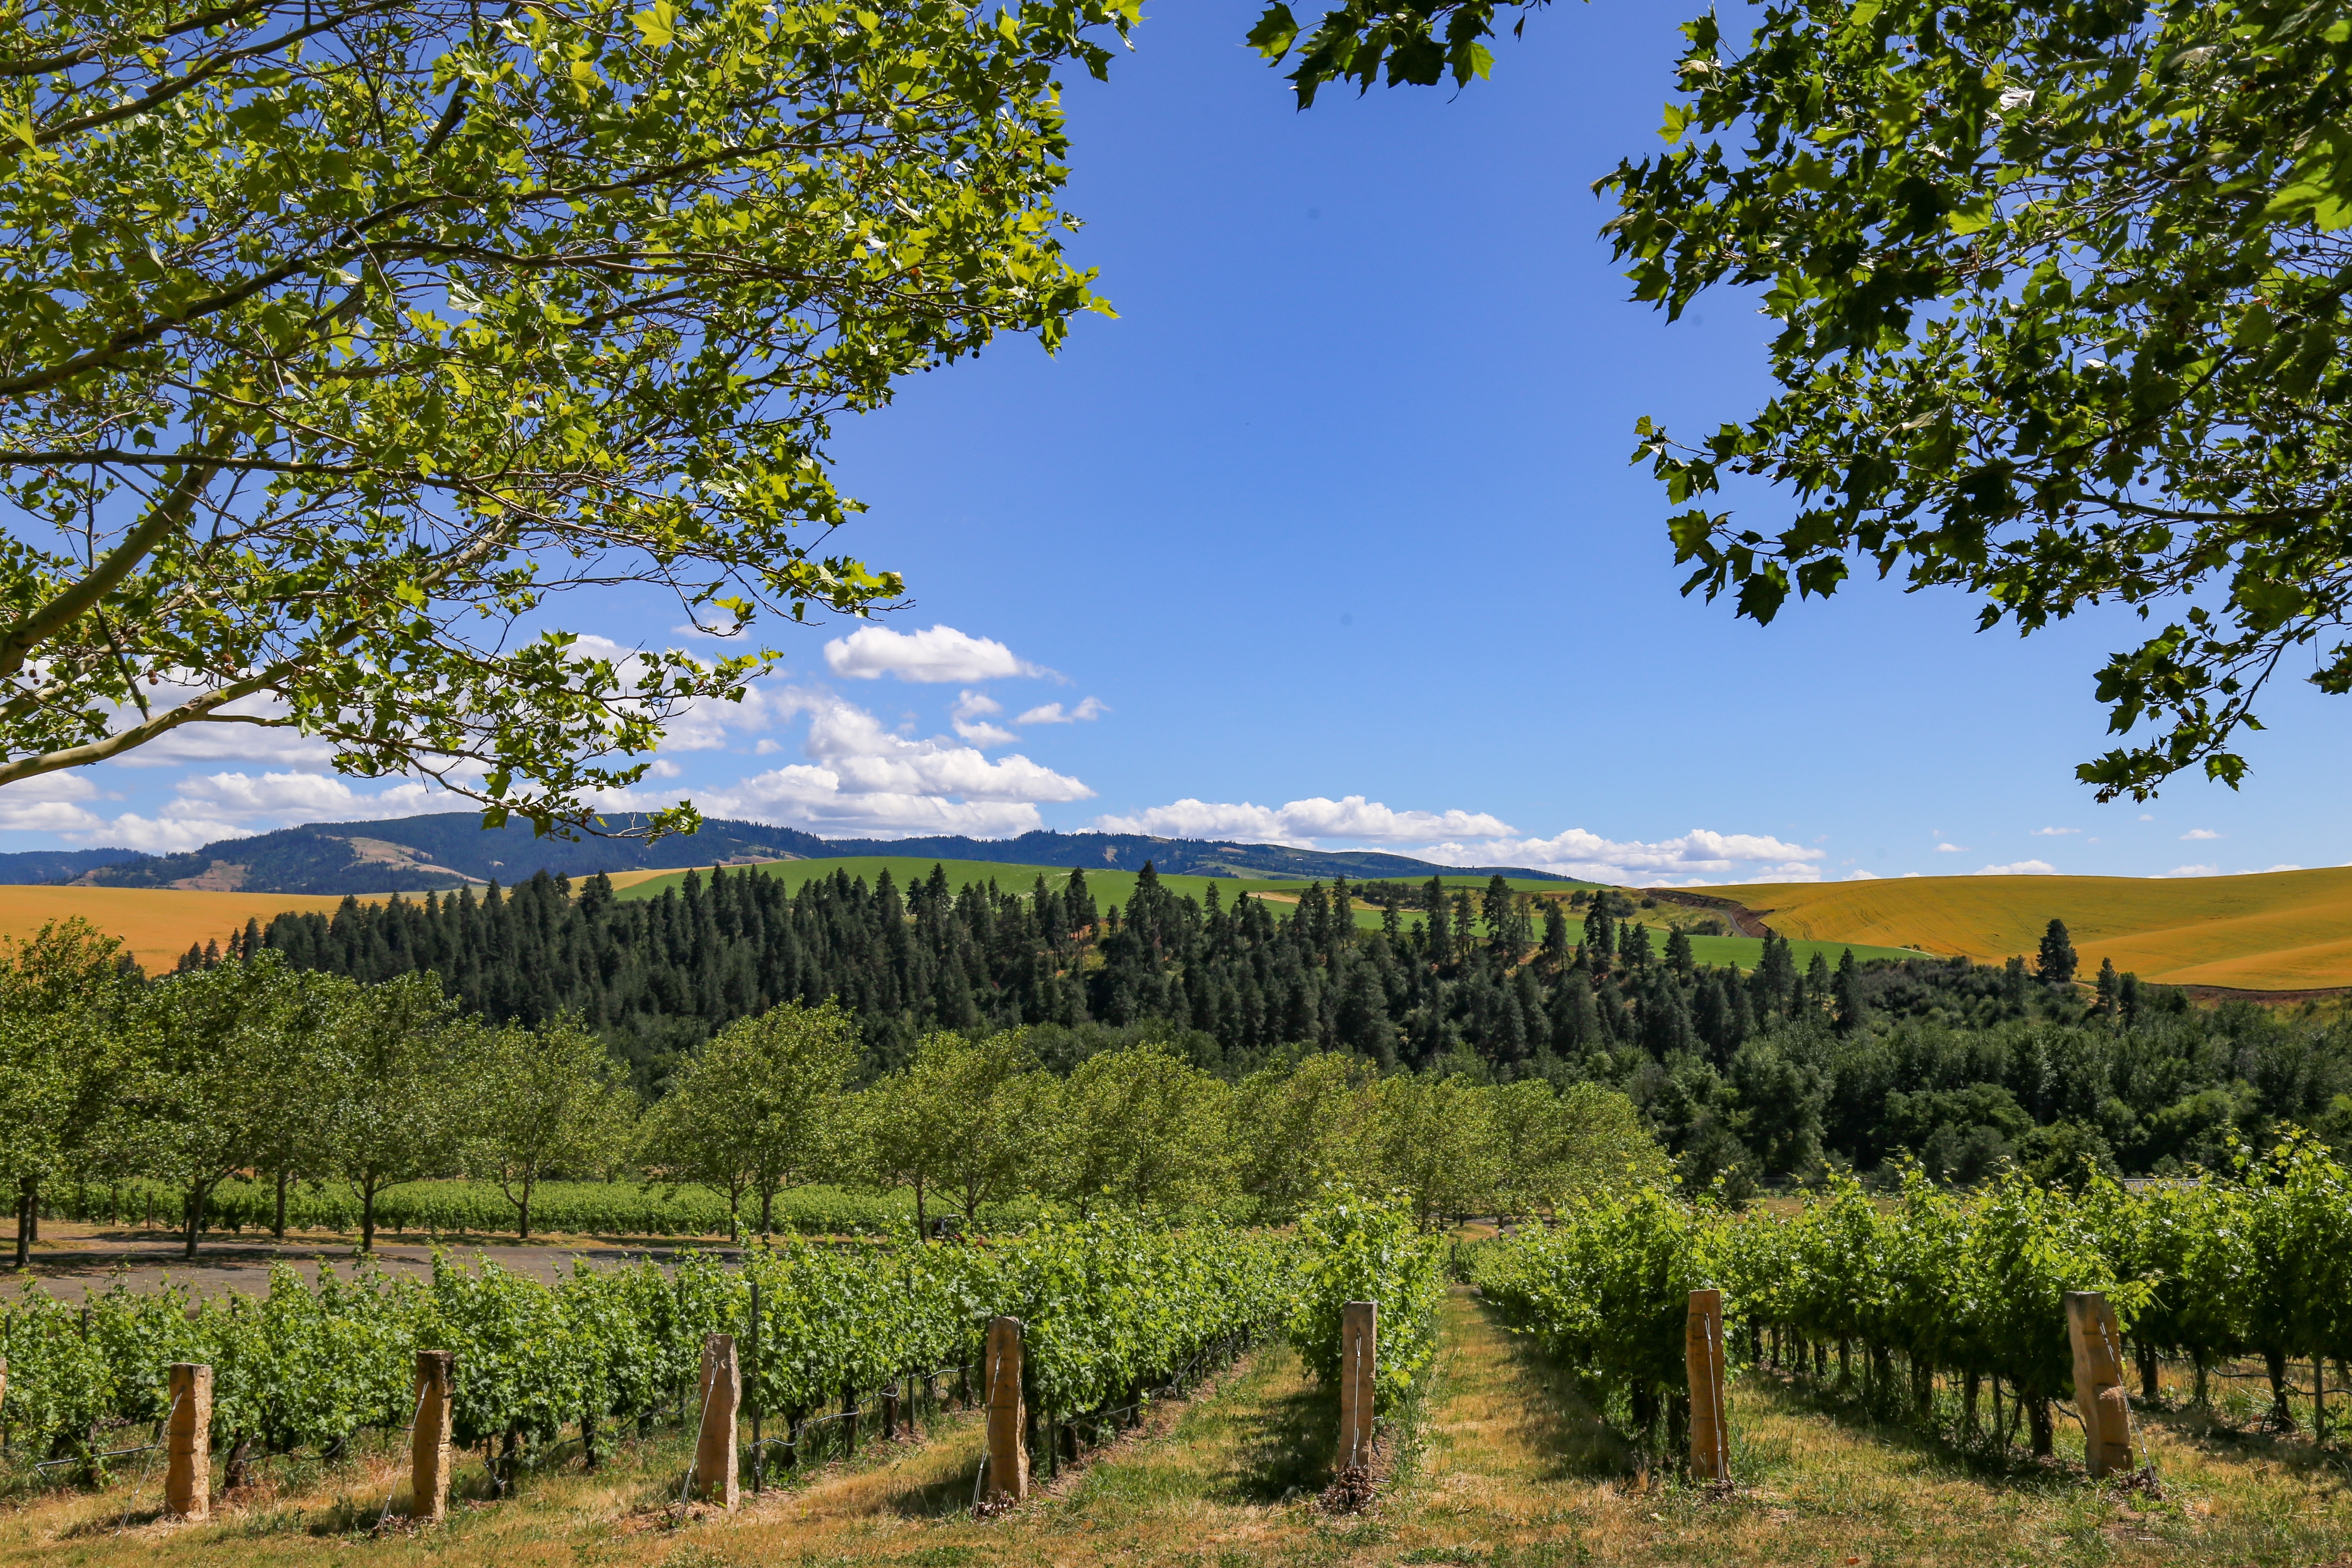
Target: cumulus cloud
x,y
870,760
1462,838
814,798
2019,869
937,655
1700,855
1862,876
2194,872
863,779
970,717
170,837
256,745
50,802
2199,833
1304,822
1052,713
283,800
1951,848
2054,832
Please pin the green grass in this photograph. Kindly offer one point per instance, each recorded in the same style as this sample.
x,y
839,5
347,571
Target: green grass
x,y
1107,887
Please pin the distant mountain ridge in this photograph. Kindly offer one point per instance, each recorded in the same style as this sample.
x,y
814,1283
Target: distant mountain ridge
x,y
451,849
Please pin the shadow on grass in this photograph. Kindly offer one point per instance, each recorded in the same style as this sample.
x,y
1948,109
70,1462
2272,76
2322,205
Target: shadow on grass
x,y
1940,1444
1561,1424
2215,1436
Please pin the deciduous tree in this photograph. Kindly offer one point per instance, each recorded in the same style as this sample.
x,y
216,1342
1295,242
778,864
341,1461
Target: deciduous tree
x,y
346,335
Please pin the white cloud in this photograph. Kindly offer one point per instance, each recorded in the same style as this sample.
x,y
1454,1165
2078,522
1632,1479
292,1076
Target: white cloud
x,y
663,768
2199,833
208,740
2268,869
49,803
1304,822
2194,872
1862,876
2019,868
131,831
2054,832
937,655
1949,848
870,760
284,799
2147,816
969,717
1476,839
1051,713
814,798
861,780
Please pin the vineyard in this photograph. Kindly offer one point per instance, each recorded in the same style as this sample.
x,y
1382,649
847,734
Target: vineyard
x,y
1947,1309
1112,1309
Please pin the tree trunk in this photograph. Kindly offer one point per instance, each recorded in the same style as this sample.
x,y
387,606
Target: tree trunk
x,y
196,1218
2282,1418
277,1220
2037,1411
23,1234
2150,1370
524,1234
367,1217
922,1230
767,1211
1968,1401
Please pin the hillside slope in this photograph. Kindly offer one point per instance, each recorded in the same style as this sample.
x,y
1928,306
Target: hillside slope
x,y
2282,931
448,849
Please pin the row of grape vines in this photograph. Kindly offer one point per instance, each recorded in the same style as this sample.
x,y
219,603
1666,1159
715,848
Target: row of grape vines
x,y
1110,1307
1112,1311
1965,1287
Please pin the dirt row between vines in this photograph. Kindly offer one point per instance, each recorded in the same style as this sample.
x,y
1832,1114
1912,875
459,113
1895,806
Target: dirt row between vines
x,y
1502,1465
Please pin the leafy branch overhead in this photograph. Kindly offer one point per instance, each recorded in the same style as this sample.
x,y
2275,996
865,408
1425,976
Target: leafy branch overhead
x,y
347,337
2061,288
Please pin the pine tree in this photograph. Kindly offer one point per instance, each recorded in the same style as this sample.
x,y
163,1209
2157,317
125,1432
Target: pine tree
x,y
1078,903
1600,938
1497,913
2057,962
1555,937
2110,989
1678,953
1848,993
1440,927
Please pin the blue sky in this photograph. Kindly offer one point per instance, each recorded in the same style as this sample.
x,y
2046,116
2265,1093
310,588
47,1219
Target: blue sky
x,y
1331,538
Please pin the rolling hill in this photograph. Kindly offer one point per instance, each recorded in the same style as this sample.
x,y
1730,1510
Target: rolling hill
x,y
449,850
2279,931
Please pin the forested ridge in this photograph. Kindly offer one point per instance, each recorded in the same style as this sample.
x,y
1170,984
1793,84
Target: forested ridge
x,y
1756,1076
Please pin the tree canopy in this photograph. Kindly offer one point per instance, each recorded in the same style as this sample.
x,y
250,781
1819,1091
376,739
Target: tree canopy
x,y
346,335
2061,286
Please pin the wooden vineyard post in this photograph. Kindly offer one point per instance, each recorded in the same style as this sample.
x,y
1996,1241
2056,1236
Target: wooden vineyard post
x,y
1710,1427
428,1444
1359,1364
714,1443
1008,1456
188,1443
2100,1397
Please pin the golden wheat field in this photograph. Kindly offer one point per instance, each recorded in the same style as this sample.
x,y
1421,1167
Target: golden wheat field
x,y
158,924
2280,930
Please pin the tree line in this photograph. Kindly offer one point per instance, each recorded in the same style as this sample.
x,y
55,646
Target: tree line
x,y
251,1066
1780,1073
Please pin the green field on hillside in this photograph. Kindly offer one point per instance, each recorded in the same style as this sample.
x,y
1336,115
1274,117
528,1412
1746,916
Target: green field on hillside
x,y
1117,886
